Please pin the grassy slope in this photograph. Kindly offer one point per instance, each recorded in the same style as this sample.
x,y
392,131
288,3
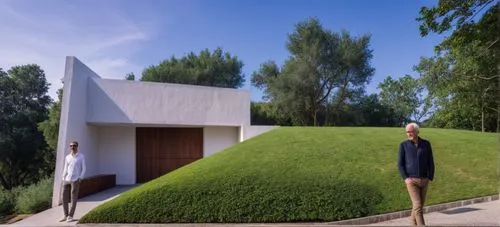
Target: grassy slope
x,y
307,174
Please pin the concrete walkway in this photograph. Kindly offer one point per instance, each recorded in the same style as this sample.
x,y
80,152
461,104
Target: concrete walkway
x,y
52,216
481,214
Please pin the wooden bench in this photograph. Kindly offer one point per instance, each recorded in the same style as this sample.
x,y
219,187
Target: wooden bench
x,y
96,183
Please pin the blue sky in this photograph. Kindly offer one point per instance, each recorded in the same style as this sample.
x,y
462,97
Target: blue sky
x,y
115,37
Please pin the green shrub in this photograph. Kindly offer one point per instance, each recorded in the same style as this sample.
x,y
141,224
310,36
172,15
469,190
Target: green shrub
x,y
243,202
34,198
302,174
7,202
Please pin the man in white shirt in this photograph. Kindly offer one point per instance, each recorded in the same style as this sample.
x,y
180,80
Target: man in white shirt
x,y
73,172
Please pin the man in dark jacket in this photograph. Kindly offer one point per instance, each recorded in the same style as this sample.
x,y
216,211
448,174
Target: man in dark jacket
x,y
416,167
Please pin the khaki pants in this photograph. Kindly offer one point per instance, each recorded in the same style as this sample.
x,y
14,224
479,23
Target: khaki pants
x,y
418,191
70,192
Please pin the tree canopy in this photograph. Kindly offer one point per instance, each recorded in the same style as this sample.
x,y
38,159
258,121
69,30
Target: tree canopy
x,y
217,69
24,104
324,70
463,78
405,97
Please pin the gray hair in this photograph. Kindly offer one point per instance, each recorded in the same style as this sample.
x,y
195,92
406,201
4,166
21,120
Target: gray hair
x,y
415,126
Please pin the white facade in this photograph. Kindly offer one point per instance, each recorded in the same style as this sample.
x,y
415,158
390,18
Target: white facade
x,y
102,115
162,103
116,150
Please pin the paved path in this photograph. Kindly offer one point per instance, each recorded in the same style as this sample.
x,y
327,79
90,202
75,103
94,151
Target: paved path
x,y
481,214
52,216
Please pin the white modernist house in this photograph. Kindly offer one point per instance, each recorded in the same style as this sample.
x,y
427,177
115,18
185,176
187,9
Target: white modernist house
x,y
138,131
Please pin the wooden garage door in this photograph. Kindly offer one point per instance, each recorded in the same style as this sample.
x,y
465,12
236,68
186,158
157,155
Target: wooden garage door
x,y
161,150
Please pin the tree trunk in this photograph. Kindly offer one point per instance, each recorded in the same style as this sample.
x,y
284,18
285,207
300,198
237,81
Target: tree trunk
x,y
498,87
327,117
498,93
482,112
314,111
498,116
482,119
314,114
498,103
315,118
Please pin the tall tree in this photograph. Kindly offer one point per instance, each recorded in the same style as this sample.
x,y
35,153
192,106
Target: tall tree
x,y
464,76
405,97
324,68
23,104
217,69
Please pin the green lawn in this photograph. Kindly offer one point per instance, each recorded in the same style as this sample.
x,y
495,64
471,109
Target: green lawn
x,y
307,174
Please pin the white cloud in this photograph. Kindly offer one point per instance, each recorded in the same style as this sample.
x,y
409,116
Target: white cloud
x,y
103,40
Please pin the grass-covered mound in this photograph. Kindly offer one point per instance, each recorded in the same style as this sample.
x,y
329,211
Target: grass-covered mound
x,y
307,174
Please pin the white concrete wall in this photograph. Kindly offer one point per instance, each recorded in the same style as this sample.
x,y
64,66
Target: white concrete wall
x,y
122,102
251,131
90,104
216,139
116,148
73,125
91,150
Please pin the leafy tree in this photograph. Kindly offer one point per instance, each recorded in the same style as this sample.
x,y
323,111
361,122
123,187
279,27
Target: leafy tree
x,y
263,113
323,71
50,127
50,130
451,14
216,69
371,112
404,96
130,76
463,79
23,104
463,99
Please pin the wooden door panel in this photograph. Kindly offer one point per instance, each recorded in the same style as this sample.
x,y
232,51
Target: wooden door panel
x,y
162,150
145,153
173,164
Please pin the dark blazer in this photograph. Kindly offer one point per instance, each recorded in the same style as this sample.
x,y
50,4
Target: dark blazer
x,y
416,161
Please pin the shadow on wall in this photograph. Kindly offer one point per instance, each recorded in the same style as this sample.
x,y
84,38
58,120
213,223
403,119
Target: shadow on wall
x,y
102,108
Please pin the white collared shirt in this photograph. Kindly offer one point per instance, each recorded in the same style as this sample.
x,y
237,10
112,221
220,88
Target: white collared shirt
x,y
74,167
